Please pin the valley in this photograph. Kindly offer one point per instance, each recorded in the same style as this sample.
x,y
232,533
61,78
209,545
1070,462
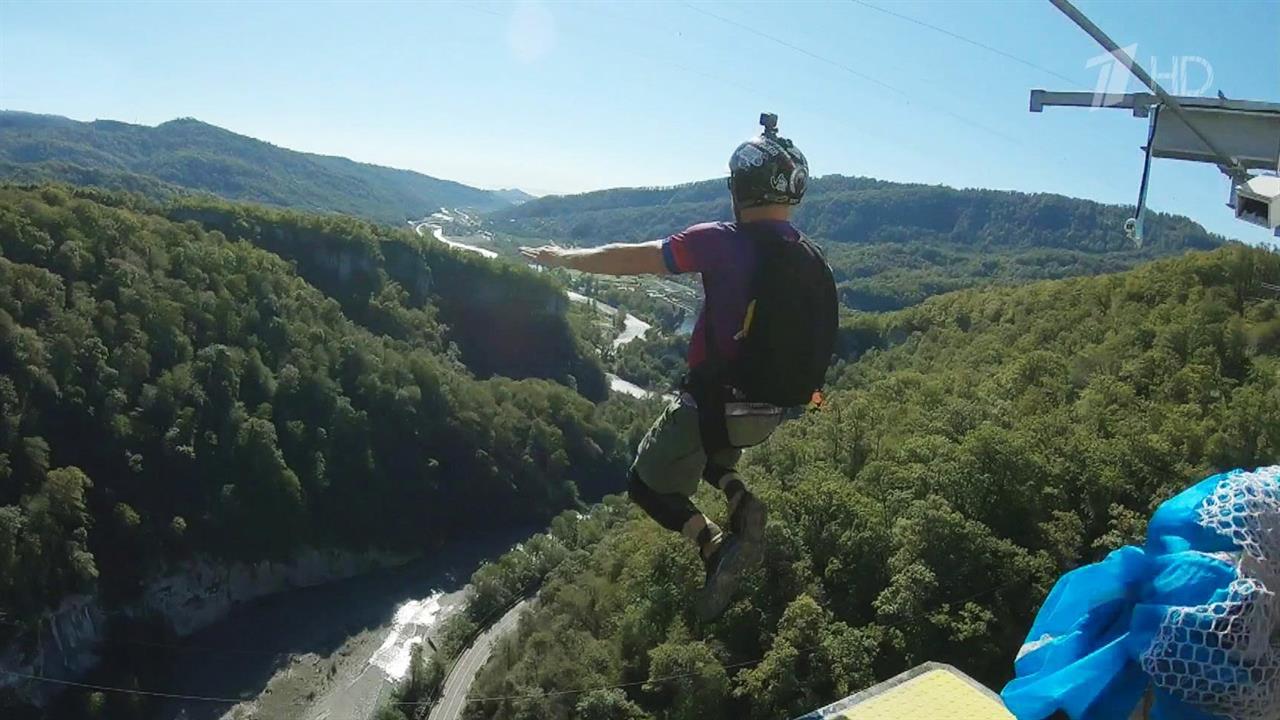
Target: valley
x,y
1015,385
329,652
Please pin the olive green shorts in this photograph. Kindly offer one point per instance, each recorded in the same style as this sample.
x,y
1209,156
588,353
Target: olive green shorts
x,y
670,458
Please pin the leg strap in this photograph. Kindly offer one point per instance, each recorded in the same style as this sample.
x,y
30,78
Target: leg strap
x,y
711,396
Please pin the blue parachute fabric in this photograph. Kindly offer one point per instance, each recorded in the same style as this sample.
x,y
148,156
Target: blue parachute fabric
x,y
1083,653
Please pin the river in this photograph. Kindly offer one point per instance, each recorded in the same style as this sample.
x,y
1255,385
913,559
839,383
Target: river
x,y
632,326
330,652
335,651
433,222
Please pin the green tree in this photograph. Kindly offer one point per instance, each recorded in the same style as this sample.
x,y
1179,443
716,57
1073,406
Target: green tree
x,y
611,704
688,677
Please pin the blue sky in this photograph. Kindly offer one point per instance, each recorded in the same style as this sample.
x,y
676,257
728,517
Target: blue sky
x,y
565,97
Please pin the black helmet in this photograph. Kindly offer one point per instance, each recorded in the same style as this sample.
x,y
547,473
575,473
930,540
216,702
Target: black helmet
x,y
767,169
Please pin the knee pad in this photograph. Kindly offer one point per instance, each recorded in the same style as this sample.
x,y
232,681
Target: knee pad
x,y
668,510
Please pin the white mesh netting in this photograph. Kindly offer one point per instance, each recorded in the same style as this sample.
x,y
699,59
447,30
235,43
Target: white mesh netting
x,y
1224,657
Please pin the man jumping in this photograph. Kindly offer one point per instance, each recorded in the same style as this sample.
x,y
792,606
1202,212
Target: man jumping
x,y
760,347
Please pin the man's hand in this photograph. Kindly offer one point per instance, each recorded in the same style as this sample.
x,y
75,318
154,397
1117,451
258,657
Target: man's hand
x,y
546,255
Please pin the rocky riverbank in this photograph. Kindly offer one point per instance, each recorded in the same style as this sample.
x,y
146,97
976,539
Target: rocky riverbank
x,y
188,598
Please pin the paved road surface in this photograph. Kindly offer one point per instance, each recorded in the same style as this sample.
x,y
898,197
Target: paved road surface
x,y
456,686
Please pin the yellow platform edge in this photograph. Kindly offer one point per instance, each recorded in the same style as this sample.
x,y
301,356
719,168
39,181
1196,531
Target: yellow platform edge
x,y
933,691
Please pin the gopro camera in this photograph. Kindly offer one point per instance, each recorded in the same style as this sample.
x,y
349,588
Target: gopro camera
x,y
770,123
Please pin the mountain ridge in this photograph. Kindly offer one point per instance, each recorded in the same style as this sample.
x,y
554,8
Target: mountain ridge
x,y
514,195
186,154
711,201
890,244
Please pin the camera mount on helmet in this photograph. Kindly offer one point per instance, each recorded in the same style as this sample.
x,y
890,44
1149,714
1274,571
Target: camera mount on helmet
x,y
770,123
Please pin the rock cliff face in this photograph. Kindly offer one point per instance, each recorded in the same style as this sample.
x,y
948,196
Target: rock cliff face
x,y
191,597
204,592
64,648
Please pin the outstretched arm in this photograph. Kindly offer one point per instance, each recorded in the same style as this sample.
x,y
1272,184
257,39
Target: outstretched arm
x,y
616,259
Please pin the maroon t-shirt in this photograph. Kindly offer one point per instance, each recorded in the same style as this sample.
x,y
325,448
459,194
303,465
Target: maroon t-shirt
x,y
727,260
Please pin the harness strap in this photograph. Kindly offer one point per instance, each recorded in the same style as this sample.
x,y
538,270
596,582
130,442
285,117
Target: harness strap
x,y
711,397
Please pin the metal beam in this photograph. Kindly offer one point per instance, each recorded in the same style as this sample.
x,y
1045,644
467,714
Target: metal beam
x,y
1140,102
1247,130
1229,164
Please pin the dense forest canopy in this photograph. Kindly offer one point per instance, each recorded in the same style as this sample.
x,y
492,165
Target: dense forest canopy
x,y
498,318
168,389
186,154
890,244
972,449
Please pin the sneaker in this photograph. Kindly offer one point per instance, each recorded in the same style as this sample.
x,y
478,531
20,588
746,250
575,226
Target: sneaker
x,y
746,521
724,568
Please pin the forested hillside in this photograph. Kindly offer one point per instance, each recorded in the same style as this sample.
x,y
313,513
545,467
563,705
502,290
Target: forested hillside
x,y
169,390
186,154
891,244
498,318
973,448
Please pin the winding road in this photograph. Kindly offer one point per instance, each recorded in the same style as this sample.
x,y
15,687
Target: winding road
x,y
454,697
